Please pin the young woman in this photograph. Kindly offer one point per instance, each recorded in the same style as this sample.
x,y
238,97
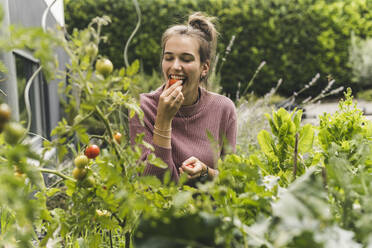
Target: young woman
x,y
180,118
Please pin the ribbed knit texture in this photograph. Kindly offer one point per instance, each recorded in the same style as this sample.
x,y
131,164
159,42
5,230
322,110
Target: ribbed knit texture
x,y
212,113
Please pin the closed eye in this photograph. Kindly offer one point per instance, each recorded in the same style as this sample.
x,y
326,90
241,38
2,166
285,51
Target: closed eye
x,y
186,57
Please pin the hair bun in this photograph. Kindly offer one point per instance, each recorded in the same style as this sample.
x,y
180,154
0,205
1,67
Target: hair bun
x,y
202,23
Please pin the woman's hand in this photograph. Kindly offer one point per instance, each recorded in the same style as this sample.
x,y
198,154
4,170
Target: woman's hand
x,y
170,101
193,167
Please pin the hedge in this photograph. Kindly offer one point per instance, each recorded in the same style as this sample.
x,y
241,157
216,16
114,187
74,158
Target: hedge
x,y
297,38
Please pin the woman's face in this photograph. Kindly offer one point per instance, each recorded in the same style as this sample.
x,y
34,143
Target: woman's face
x,y
181,60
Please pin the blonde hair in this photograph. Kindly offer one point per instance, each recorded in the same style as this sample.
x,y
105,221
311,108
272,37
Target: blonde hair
x,y
203,29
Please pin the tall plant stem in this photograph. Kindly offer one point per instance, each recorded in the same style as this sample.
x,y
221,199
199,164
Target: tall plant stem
x,y
27,100
295,157
127,239
110,239
253,77
138,11
324,176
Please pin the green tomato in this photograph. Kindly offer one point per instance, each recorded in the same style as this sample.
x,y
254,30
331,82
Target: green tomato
x,y
104,67
79,174
81,161
91,50
13,132
89,182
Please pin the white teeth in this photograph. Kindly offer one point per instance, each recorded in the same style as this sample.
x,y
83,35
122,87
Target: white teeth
x,y
177,77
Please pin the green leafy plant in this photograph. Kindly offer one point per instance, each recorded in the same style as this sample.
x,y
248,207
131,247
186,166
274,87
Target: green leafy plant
x,y
284,149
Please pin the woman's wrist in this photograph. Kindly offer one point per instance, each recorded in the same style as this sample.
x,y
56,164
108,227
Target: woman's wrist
x,y
204,174
208,172
162,140
213,173
162,133
162,130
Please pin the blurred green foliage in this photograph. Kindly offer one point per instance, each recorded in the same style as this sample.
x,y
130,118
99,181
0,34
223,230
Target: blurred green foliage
x,y
365,95
297,38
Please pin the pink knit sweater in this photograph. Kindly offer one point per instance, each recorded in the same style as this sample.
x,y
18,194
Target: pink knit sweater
x,y
212,113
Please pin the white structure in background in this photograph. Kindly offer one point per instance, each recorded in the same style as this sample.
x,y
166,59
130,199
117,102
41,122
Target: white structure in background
x,y
57,11
21,64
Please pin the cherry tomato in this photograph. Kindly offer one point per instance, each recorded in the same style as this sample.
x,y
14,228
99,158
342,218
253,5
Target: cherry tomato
x,y
13,132
91,49
92,151
89,182
190,165
17,169
104,66
20,176
79,174
5,112
117,137
172,81
81,161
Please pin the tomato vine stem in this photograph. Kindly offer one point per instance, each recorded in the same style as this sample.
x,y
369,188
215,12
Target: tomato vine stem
x,y
55,172
111,134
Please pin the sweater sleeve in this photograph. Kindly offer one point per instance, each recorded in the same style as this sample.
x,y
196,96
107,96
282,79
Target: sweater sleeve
x,y
231,132
135,128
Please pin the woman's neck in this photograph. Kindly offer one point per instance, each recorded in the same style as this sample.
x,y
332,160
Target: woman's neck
x,y
192,99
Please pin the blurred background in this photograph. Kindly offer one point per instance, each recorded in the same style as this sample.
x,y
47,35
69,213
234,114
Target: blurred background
x,y
297,39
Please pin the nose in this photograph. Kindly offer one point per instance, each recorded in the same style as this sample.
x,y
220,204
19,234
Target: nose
x,y
177,64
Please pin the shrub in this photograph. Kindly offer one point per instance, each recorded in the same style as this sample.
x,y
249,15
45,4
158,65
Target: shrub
x,y
365,95
361,60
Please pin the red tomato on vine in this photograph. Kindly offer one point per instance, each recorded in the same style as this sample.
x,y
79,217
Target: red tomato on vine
x,y
92,151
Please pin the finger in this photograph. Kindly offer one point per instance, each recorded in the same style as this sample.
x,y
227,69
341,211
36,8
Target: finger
x,y
181,170
194,176
174,94
169,88
179,99
193,169
190,160
170,82
189,169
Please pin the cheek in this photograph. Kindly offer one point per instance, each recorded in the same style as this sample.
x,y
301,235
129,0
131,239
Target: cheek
x,y
193,72
164,66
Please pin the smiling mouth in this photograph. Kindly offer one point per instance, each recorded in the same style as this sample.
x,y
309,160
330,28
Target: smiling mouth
x,y
176,77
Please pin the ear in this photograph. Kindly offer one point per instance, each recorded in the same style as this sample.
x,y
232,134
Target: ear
x,y
205,68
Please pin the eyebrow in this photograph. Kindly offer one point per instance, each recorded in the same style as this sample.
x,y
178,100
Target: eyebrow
x,y
182,54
